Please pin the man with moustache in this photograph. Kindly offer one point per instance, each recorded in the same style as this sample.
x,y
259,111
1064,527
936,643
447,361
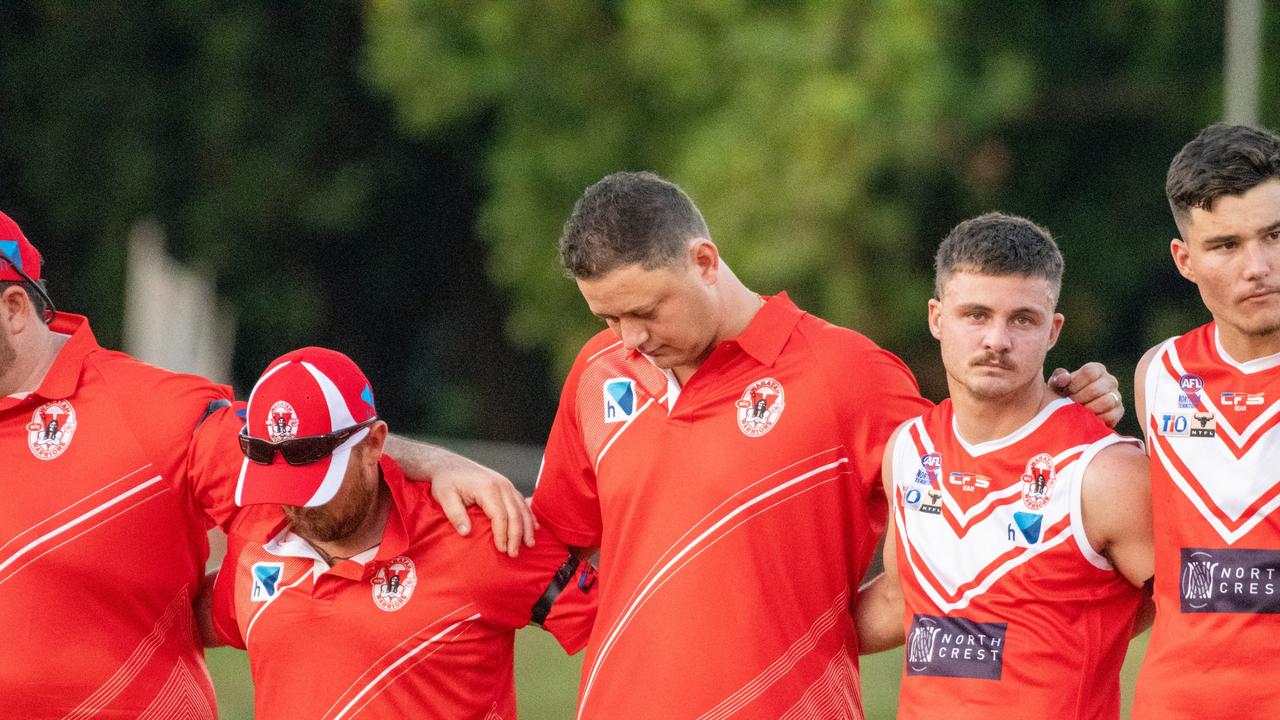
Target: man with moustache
x,y
1209,401
1020,531
347,585
722,449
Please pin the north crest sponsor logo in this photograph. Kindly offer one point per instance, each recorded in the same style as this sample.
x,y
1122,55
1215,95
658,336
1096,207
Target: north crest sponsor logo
x,y
969,482
282,422
1238,580
619,399
944,646
266,580
760,407
51,428
393,583
1038,481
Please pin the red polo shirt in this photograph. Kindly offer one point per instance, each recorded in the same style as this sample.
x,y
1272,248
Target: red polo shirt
x,y
108,494
423,626
735,516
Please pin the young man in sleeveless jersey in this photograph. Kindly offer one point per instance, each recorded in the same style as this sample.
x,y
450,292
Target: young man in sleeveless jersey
x,y
1207,402
1020,532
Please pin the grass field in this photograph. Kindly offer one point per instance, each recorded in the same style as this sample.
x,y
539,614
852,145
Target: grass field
x,y
547,680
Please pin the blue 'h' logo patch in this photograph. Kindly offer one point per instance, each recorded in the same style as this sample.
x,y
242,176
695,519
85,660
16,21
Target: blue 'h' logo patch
x,y
367,395
266,580
1029,524
619,399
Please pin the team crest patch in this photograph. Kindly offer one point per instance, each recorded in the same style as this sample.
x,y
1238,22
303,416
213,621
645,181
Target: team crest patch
x,y
760,407
1037,481
393,583
266,580
282,422
51,428
619,399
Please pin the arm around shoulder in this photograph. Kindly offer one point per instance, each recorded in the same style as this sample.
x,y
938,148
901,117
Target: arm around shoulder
x,y
879,611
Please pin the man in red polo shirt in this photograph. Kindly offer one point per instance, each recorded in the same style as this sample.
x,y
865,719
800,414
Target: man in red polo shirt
x,y
346,584
112,472
723,452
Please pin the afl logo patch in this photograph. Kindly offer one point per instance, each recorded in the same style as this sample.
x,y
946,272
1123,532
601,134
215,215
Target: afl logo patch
x,y
51,428
1037,481
760,407
282,422
393,583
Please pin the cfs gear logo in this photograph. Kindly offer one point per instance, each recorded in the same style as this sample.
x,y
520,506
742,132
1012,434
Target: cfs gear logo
x,y
969,482
1037,481
282,422
51,428
1241,401
760,407
619,399
393,583
266,580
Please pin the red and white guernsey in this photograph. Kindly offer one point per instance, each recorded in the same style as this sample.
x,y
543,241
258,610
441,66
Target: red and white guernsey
x,y
1010,611
1215,463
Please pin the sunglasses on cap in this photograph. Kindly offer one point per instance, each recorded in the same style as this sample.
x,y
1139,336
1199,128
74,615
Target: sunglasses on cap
x,y
49,310
299,450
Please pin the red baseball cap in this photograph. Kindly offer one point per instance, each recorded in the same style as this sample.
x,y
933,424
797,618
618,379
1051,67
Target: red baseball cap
x,y
312,391
15,246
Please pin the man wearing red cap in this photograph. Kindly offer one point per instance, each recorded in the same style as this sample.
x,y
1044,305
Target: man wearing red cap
x,y
113,471
346,584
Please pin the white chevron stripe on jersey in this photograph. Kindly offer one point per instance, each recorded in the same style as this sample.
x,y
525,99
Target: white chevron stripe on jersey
x,y
1239,437
1221,485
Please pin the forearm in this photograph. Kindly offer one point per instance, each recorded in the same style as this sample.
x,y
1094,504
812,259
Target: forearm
x,y
203,608
877,615
421,460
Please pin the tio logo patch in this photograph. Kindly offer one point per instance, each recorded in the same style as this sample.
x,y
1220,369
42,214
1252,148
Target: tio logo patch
x,y
266,580
619,399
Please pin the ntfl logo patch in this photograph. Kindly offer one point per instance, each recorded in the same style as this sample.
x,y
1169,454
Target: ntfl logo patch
x,y
266,580
393,584
619,399
760,407
51,428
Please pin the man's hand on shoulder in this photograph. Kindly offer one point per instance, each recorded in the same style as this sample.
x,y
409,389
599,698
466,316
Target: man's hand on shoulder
x,y
1093,387
457,482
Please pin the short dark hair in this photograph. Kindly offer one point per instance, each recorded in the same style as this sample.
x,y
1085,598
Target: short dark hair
x,y
628,218
998,244
1221,160
36,301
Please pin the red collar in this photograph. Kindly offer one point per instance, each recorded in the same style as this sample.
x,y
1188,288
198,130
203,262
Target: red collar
x,y
768,331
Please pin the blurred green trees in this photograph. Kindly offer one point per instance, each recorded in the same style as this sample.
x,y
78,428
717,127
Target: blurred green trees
x,y
391,178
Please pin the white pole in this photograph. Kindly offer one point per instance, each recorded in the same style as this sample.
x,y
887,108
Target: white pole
x,y
1242,66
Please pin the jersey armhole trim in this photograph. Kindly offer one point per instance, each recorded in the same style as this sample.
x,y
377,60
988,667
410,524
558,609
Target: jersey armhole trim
x,y
1077,497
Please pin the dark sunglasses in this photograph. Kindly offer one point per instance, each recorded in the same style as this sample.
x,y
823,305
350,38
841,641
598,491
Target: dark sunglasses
x,y
299,450
49,310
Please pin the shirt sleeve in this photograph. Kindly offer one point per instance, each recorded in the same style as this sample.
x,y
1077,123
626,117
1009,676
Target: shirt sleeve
x,y
224,594
188,427
546,585
869,409
565,498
